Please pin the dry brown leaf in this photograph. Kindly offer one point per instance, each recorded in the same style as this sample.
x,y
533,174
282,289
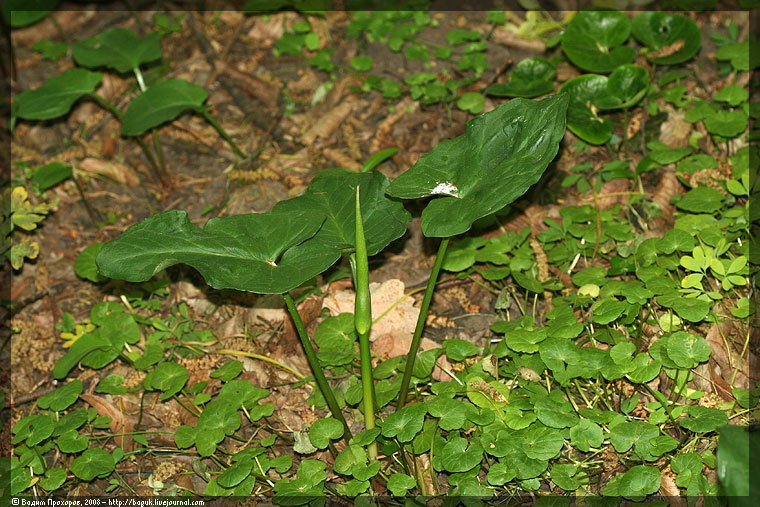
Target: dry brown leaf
x,y
383,134
110,169
341,159
675,130
401,319
509,38
667,187
328,123
120,422
668,488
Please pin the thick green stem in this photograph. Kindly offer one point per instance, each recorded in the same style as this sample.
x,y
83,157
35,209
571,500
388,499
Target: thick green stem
x,y
319,375
363,321
412,355
222,133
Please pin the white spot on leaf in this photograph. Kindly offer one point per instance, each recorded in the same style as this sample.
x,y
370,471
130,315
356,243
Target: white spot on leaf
x,y
445,188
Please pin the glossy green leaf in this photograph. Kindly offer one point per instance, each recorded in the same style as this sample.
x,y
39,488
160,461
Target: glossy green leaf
x,y
94,462
62,398
637,434
333,193
88,343
734,95
378,158
501,154
33,429
541,442
582,120
162,102
56,96
672,38
119,49
112,384
594,40
262,253
530,78
625,87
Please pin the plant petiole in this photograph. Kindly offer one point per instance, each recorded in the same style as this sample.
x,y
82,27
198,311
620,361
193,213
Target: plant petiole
x,y
417,337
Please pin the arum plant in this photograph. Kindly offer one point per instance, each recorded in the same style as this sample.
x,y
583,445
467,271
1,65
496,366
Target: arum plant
x,y
363,321
122,50
500,155
267,253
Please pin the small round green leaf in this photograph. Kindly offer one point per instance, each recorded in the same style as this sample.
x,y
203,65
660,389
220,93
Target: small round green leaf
x,y
51,174
687,350
399,484
530,78
62,398
54,479
640,481
625,87
472,102
727,123
704,419
94,462
71,442
594,40
167,377
324,430
229,371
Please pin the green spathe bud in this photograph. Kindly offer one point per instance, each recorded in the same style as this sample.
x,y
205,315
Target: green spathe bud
x,y
362,310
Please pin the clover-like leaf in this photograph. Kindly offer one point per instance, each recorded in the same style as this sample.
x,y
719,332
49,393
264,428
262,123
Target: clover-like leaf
x,y
119,49
262,253
162,102
530,78
501,154
56,96
594,40
673,38
582,119
333,193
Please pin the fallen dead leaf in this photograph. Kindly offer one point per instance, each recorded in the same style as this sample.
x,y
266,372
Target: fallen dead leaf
x,y
328,123
110,169
121,424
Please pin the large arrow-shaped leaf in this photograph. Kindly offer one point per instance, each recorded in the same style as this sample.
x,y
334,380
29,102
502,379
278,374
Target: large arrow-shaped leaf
x,y
160,103
119,49
56,96
265,253
500,155
333,193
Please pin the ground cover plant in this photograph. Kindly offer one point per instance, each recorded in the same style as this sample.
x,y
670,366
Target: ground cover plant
x,y
527,281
